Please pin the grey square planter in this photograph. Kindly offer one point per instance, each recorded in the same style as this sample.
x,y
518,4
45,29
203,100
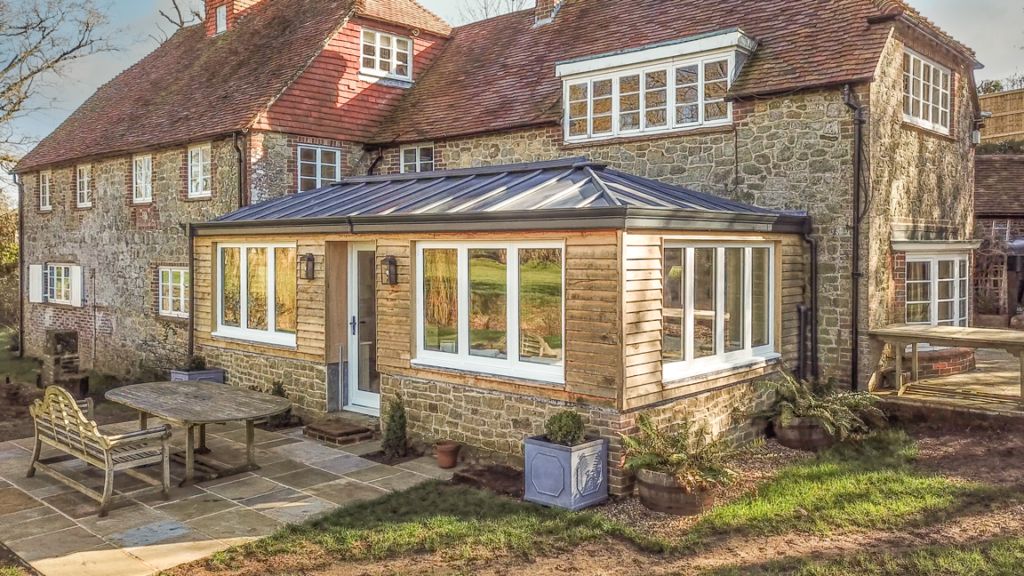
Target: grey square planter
x,y
215,375
572,477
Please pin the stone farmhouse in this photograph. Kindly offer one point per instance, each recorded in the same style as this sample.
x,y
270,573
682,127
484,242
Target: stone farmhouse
x,y
605,205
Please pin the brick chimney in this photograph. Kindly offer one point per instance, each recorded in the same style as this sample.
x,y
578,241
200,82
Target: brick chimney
x,y
221,15
546,10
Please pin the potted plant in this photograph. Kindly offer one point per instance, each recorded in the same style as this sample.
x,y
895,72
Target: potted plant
x,y
565,467
678,472
816,416
197,371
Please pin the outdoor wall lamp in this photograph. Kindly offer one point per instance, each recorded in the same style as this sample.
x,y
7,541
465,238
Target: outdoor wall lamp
x,y
310,261
389,271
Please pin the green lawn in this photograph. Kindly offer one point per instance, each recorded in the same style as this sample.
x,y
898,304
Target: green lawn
x,y
11,571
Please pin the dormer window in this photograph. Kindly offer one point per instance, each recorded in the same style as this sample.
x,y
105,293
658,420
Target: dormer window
x,y
386,55
667,88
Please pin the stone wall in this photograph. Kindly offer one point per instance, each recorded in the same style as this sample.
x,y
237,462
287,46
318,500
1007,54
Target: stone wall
x,y
273,157
304,382
120,245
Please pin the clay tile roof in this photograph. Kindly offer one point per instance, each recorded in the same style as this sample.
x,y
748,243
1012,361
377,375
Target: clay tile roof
x,y
999,185
500,73
406,13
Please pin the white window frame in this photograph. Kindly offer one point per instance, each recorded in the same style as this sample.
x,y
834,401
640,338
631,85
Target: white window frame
x,y
184,285
142,179
270,335
376,70
221,19
1001,228
200,171
961,288
417,166
319,164
908,98
512,366
55,295
83,185
669,66
45,190
689,366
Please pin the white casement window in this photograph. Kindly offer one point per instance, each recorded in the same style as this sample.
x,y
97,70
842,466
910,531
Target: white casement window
x,y
938,290
417,158
492,307
45,184
256,295
1001,230
386,55
663,97
142,179
222,19
56,283
926,93
318,167
200,179
84,187
719,307
174,284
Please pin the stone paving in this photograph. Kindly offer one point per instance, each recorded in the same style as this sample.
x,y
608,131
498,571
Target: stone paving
x,y
57,530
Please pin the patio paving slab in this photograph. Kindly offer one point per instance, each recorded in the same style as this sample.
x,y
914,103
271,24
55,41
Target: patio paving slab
x,y
196,507
372,473
206,485
236,526
100,561
77,505
281,468
307,452
176,551
247,488
31,527
123,519
56,544
260,436
345,492
363,448
14,500
25,516
401,481
428,467
306,478
154,495
276,499
149,534
343,464
282,442
300,511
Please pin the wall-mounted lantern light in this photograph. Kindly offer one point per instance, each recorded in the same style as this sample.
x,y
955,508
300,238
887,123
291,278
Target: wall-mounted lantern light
x,y
310,261
389,271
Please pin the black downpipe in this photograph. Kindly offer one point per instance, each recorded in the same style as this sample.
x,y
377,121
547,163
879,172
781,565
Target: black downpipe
x,y
21,264
813,312
858,135
376,161
241,171
191,234
801,357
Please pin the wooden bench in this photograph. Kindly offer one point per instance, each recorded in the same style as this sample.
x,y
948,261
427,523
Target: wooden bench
x,y
61,424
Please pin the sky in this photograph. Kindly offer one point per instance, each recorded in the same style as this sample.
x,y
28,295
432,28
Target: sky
x,y
993,28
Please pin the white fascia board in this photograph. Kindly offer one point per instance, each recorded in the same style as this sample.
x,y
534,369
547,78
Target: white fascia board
x,y
734,38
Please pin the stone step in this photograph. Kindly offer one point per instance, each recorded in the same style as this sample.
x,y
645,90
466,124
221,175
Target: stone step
x,y
344,430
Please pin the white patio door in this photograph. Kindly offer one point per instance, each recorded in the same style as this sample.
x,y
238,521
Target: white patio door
x,y
363,377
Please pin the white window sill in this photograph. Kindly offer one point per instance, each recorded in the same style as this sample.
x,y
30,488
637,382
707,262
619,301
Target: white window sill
x,y
84,205
387,79
46,209
458,365
931,127
256,337
173,315
643,133
201,196
680,376
137,202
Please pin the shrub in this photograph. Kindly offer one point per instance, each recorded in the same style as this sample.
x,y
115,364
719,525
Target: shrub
x,y
197,362
565,428
839,413
395,441
692,455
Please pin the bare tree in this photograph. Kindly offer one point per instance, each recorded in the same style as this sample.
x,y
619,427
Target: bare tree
x,y
184,13
474,10
39,39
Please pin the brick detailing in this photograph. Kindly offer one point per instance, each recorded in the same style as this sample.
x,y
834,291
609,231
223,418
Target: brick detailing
x,y
948,362
305,382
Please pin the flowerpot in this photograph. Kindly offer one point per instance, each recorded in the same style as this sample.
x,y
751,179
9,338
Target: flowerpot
x,y
572,477
661,492
804,434
448,454
215,375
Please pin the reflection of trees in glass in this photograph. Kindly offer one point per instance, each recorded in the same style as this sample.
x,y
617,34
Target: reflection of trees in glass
x,y
734,313
760,274
540,303
704,302
285,282
231,287
257,288
441,299
488,314
673,309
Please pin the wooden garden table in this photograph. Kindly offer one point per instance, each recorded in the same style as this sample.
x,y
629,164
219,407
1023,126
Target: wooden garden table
x,y
197,404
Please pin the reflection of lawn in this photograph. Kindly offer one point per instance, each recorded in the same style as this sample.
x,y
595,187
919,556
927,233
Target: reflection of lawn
x,y
540,296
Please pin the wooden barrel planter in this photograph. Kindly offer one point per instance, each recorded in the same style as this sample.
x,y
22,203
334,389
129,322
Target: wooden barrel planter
x,y
804,434
660,492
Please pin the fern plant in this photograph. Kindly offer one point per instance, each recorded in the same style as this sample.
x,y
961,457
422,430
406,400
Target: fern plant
x,y
839,413
691,454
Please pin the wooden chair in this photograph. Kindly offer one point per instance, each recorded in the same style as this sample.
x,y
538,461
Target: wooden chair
x,y
61,424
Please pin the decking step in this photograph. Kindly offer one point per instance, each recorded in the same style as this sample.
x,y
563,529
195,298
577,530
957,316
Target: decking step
x,y
340,431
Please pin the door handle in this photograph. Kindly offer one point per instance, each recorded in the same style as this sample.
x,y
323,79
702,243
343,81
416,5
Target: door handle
x,y
353,325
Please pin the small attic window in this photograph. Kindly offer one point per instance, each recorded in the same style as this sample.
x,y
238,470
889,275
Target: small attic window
x,y
222,19
386,55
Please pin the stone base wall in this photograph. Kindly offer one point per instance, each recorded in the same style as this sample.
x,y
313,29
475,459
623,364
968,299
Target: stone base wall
x,y
948,362
305,383
492,425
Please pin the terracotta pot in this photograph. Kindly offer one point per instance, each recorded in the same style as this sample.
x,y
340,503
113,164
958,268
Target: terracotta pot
x,y
448,454
804,434
660,492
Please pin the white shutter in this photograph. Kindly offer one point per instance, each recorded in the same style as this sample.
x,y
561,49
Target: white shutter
x,y
77,283
36,287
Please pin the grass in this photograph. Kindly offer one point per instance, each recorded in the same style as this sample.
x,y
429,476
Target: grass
x,y
11,571
1003,557
870,486
21,370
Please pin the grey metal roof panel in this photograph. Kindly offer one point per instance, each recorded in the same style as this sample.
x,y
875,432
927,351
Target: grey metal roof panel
x,y
574,183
